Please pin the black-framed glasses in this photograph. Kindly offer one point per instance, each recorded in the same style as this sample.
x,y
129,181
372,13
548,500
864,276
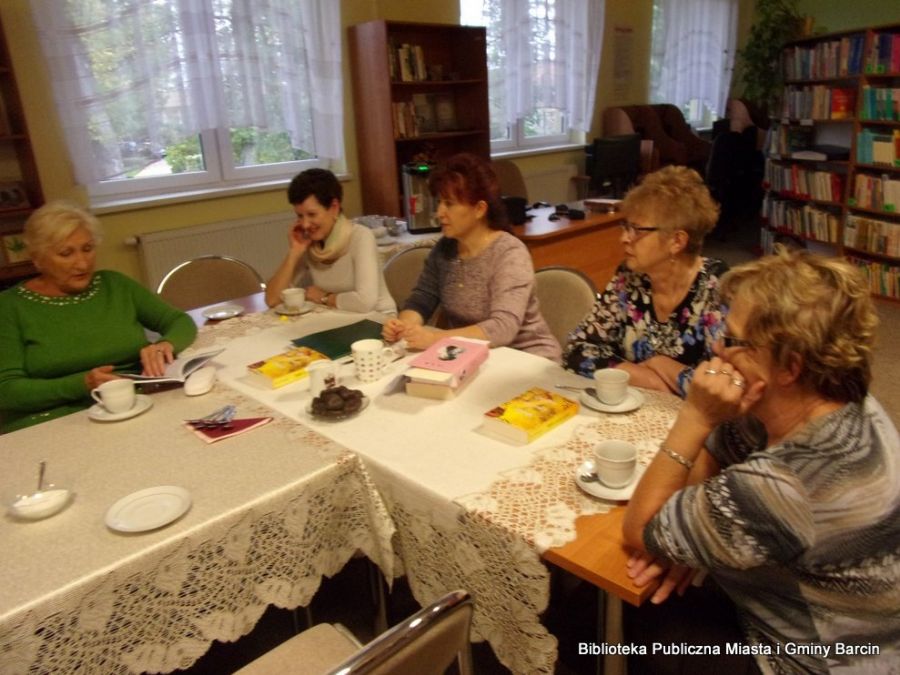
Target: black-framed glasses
x,y
631,229
732,341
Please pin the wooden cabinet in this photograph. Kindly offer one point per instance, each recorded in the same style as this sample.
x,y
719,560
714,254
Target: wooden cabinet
x,y
420,94
20,187
833,155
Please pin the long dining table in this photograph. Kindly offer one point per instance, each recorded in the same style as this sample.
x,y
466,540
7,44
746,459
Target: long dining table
x,y
470,511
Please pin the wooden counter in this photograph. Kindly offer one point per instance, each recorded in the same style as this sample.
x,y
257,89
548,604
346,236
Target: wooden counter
x,y
591,245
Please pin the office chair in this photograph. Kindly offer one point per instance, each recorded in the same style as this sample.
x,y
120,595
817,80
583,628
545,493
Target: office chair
x,y
208,279
613,164
565,296
425,644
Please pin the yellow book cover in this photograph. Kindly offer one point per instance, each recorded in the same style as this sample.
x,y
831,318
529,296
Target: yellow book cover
x,y
281,369
529,415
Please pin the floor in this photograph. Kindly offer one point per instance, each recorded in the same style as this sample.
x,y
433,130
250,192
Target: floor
x,y
572,614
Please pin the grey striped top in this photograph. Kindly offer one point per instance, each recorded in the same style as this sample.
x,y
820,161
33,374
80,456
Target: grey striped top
x,y
804,536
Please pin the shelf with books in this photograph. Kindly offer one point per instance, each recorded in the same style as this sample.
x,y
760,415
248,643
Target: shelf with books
x,y
436,107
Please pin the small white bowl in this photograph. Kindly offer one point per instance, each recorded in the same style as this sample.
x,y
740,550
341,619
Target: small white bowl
x,y
40,504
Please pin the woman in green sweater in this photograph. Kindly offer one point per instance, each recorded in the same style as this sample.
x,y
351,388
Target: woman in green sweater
x,y
71,328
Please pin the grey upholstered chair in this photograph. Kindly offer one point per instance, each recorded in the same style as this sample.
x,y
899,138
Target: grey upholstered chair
x,y
402,272
209,279
565,295
425,644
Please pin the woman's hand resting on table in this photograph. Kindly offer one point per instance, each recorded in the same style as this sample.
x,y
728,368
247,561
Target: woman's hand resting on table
x,y
155,357
416,335
97,376
643,568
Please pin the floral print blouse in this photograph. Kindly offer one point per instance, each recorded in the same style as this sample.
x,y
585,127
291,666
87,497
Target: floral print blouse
x,y
623,325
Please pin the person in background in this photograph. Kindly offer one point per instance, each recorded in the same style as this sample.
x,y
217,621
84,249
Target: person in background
x,y
335,260
660,313
781,478
72,328
479,274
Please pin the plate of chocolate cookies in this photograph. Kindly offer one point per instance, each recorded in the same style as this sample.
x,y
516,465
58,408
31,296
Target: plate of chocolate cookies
x,y
337,403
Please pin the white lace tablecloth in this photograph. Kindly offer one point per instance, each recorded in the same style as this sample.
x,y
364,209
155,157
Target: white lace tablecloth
x,y
272,511
470,512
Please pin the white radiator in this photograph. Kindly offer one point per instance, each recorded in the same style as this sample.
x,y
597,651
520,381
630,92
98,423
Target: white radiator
x,y
260,241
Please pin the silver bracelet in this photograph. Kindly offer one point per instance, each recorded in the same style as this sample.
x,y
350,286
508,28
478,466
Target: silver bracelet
x,y
681,459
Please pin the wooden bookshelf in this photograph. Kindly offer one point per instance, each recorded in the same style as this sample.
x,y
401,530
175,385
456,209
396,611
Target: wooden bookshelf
x,y
20,186
819,77
451,62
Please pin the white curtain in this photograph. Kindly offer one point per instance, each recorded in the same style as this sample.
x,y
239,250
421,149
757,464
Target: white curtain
x,y
167,69
552,55
695,51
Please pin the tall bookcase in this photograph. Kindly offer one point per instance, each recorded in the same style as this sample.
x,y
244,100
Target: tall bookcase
x,y
421,94
833,154
20,186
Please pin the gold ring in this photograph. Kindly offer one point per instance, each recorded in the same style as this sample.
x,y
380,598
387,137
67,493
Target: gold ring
x,y
726,373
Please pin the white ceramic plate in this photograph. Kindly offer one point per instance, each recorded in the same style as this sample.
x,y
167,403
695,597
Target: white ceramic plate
x,y
598,489
343,416
287,311
148,509
142,404
633,400
225,311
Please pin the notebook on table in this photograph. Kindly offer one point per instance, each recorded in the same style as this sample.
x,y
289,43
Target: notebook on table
x,y
335,342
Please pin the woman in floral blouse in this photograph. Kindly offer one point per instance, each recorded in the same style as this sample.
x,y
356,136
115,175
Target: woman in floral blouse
x,y
660,314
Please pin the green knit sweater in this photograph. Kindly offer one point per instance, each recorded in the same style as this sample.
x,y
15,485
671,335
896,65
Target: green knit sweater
x,y
48,344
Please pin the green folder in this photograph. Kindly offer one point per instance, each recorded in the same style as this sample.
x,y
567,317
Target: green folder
x,y
335,342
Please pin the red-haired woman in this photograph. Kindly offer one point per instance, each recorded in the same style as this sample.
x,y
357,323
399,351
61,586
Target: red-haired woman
x,y
480,275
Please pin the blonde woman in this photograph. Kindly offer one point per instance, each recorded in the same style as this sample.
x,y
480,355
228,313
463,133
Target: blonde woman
x,y
72,328
781,478
660,313
335,260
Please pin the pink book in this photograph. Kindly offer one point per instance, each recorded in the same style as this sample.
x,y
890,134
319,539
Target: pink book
x,y
448,361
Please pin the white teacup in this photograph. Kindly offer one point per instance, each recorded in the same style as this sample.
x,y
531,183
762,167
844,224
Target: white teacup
x,y
322,375
370,357
615,462
293,298
611,385
117,396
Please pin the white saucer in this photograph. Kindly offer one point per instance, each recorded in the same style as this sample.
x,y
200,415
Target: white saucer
x,y
148,509
597,489
633,400
225,311
142,404
286,311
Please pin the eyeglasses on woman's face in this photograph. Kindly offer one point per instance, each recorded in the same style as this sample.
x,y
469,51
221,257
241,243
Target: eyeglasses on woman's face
x,y
636,231
732,341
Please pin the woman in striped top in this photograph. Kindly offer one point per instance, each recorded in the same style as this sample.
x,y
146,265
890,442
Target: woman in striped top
x,y
781,478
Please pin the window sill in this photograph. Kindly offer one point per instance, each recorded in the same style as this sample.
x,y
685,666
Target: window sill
x,y
104,205
544,150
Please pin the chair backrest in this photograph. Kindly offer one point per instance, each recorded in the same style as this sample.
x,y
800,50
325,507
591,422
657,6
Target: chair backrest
x,y
613,164
208,279
402,270
426,643
565,296
512,184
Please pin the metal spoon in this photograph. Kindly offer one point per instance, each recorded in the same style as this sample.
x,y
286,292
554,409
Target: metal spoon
x,y
591,477
590,391
42,468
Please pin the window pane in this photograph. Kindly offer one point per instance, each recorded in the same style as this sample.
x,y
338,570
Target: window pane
x,y
251,146
544,122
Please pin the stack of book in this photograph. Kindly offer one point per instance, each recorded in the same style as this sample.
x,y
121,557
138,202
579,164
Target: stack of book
x,y
442,370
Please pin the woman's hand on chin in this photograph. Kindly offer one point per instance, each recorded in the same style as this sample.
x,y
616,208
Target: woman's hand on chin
x,y
97,376
720,392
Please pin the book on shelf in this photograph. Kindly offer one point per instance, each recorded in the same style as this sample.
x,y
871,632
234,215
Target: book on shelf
x,y
442,369
179,369
445,112
284,368
335,342
529,415
823,153
423,105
